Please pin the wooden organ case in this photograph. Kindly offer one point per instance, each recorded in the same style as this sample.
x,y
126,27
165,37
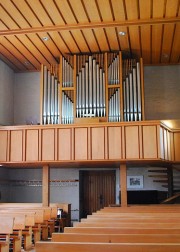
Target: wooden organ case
x,y
101,87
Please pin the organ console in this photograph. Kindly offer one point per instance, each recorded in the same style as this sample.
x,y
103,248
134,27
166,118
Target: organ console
x,y
100,85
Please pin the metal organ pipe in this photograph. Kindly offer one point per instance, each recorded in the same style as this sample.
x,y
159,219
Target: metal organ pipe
x,y
90,87
132,90
50,97
114,79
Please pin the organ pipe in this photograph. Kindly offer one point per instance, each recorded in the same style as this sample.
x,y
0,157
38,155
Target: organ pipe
x,y
96,85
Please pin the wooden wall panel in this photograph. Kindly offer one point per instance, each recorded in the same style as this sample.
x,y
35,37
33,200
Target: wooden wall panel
x,y
64,144
150,147
162,154
32,145
97,143
132,142
81,144
16,146
48,144
177,146
3,145
114,142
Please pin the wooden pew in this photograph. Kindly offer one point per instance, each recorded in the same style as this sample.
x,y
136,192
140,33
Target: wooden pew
x,y
142,209
135,220
116,238
121,230
19,230
6,228
42,216
128,225
49,216
106,247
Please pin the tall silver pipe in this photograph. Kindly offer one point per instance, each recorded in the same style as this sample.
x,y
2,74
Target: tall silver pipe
x,y
44,94
139,91
94,87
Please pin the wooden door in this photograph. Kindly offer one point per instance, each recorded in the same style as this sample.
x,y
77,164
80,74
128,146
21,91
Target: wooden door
x,y
97,190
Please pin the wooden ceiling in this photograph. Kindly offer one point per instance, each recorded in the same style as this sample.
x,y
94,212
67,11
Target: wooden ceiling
x,y
152,30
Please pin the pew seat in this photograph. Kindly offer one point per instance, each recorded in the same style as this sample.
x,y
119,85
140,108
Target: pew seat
x,y
106,247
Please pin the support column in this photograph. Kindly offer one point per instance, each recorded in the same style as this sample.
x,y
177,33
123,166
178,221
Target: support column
x,y
45,186
123,183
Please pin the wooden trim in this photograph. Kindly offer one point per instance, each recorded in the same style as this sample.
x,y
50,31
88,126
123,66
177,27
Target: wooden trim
x,y
123,183
45,186
92,25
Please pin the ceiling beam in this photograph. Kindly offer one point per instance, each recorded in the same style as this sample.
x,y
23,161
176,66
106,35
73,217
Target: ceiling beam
x,y
92,25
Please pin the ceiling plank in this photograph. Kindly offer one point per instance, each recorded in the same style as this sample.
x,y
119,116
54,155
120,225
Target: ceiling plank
x,y
118,10
10,56
55,36
8,20
66,35
158,8
33,49
167,42
102,41
146,43
15,14
78,36
38,43
175,54
132,9
156,43
112,38
124,40
27,12
90,38
105,10
66,11
13,47
39,12
53,12
25,52
135,41
78,8
92,11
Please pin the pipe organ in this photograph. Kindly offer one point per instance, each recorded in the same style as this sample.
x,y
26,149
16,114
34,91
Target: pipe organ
x,y
132,104
50,96
90,86
102,85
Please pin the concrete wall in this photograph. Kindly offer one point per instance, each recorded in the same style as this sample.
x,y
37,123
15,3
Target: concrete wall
x,y
6,94
27,98
162,92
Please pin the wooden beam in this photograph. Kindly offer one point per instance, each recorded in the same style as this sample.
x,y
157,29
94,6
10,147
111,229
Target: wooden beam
x,y
137,22
123,183
45,186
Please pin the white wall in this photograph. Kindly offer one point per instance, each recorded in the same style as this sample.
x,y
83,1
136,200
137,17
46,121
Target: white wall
x,y
6,94
27,98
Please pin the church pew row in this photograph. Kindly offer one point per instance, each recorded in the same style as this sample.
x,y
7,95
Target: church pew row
x,y
22,230
37,220
116,238
108,247
6,228
45,217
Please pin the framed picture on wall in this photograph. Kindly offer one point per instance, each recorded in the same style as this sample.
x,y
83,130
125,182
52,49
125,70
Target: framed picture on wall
x,y
134,182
